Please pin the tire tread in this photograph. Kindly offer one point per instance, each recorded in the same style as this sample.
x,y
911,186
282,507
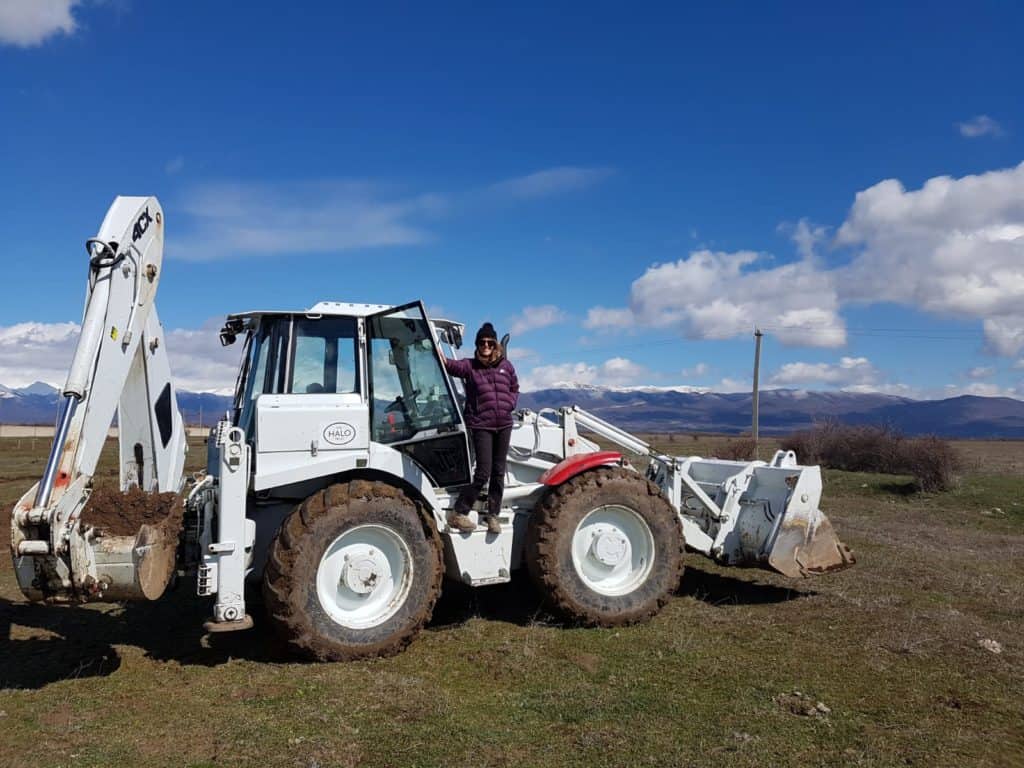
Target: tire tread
x,y
284,575
548,528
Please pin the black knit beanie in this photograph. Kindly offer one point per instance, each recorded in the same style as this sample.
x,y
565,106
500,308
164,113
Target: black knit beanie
x,y
486,332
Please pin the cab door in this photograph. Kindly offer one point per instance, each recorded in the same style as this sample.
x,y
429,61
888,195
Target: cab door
x,y
412,403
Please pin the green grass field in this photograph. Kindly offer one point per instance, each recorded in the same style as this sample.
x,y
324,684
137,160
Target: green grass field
x,y
730,673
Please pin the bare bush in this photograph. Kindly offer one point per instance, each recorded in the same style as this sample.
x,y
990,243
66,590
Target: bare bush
x,y
740,449
931,461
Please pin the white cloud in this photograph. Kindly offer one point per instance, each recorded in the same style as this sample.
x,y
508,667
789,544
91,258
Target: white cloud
x,y
980,125
981,372
620,371
980,389
719,295
42,352
697,371
26,23
36,352
615,372
544,376
806,236
728,385
608,318
519,354
230,219
199,363
1005,335
848,372
551,181
953,247
533,318
174,165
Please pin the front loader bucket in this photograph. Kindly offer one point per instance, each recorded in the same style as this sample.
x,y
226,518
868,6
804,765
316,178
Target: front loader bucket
x,y
776,521
805,544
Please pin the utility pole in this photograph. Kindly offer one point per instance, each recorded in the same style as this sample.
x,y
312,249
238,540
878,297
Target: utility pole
x,y
757,366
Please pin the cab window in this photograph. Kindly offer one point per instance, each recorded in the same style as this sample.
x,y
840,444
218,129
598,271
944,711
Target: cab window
x,y
411,395
324,356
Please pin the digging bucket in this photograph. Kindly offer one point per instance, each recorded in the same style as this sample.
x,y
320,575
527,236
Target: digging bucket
x,y
134,539
119,547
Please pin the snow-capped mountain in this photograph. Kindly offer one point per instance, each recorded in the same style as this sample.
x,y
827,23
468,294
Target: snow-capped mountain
x,y
678,409
665,409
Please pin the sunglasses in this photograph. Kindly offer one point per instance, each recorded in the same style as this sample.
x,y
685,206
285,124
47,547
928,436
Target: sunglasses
x,y
486,343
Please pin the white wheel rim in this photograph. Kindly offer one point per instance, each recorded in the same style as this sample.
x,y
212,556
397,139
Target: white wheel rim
x,y
364,576
613,550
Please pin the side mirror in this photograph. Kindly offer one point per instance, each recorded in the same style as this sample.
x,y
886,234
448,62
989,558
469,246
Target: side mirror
x,y
232,327
455,337
504,343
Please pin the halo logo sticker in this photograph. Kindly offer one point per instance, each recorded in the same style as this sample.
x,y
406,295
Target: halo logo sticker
x,y
339,433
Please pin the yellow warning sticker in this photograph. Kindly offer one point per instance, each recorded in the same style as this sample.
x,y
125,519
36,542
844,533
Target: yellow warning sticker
x,y
113,332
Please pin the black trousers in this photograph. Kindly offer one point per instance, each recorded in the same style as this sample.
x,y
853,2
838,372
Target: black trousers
x,y
491,448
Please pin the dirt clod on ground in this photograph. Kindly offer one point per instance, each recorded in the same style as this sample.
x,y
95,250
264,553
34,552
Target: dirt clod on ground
x,y
801,704
122,514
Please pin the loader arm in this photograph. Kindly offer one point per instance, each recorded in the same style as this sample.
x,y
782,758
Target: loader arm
x,y
120,363
738,512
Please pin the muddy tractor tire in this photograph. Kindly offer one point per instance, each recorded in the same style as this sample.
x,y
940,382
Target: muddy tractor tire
x,y
605,548
353,572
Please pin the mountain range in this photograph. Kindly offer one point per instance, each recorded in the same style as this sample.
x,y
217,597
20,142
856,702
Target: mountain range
x,y
653,409
646,409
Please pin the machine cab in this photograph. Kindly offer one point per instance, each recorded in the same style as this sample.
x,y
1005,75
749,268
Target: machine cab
x,y
341,376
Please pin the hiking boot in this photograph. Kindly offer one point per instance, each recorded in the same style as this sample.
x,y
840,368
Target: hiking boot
x,y
460,522
493,524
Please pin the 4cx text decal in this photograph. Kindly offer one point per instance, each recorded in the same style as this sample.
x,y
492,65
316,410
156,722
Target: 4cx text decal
x,y
141,225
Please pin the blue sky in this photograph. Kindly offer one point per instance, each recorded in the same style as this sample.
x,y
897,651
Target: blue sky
x,y
630,188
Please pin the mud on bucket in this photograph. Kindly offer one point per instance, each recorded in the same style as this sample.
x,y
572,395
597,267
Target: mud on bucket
x,y
134,542
806,544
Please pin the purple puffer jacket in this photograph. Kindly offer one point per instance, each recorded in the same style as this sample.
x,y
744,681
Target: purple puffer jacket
x,y
491,392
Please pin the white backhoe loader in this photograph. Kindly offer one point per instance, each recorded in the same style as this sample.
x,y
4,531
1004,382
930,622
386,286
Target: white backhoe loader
x,y
330,479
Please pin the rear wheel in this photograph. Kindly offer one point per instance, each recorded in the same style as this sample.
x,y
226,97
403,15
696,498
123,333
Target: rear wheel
x,y
605,548
353,572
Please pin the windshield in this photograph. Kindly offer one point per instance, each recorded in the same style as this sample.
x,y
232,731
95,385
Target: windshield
x,y
411,395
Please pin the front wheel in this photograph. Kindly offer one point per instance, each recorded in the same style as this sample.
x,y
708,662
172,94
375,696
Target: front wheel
x,y
353,572
605,548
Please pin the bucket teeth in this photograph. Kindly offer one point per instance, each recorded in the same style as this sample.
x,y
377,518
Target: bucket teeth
x,y
807,545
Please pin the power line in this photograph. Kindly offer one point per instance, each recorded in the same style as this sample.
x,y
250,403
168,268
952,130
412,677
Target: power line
x,y
822,330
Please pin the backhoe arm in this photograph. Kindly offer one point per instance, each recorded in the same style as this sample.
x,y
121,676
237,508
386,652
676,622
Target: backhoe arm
x,y
120,363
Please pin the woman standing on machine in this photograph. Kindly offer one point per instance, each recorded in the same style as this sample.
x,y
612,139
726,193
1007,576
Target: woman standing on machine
x,y
492,391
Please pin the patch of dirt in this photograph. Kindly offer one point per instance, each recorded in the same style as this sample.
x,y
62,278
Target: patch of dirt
x,y
588,662
801,704
122,514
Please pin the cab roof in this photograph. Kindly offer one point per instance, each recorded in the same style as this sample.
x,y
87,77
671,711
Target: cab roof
x,y
339,308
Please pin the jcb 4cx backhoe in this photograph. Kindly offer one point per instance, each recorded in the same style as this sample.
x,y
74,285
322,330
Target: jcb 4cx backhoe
x,y
330,479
